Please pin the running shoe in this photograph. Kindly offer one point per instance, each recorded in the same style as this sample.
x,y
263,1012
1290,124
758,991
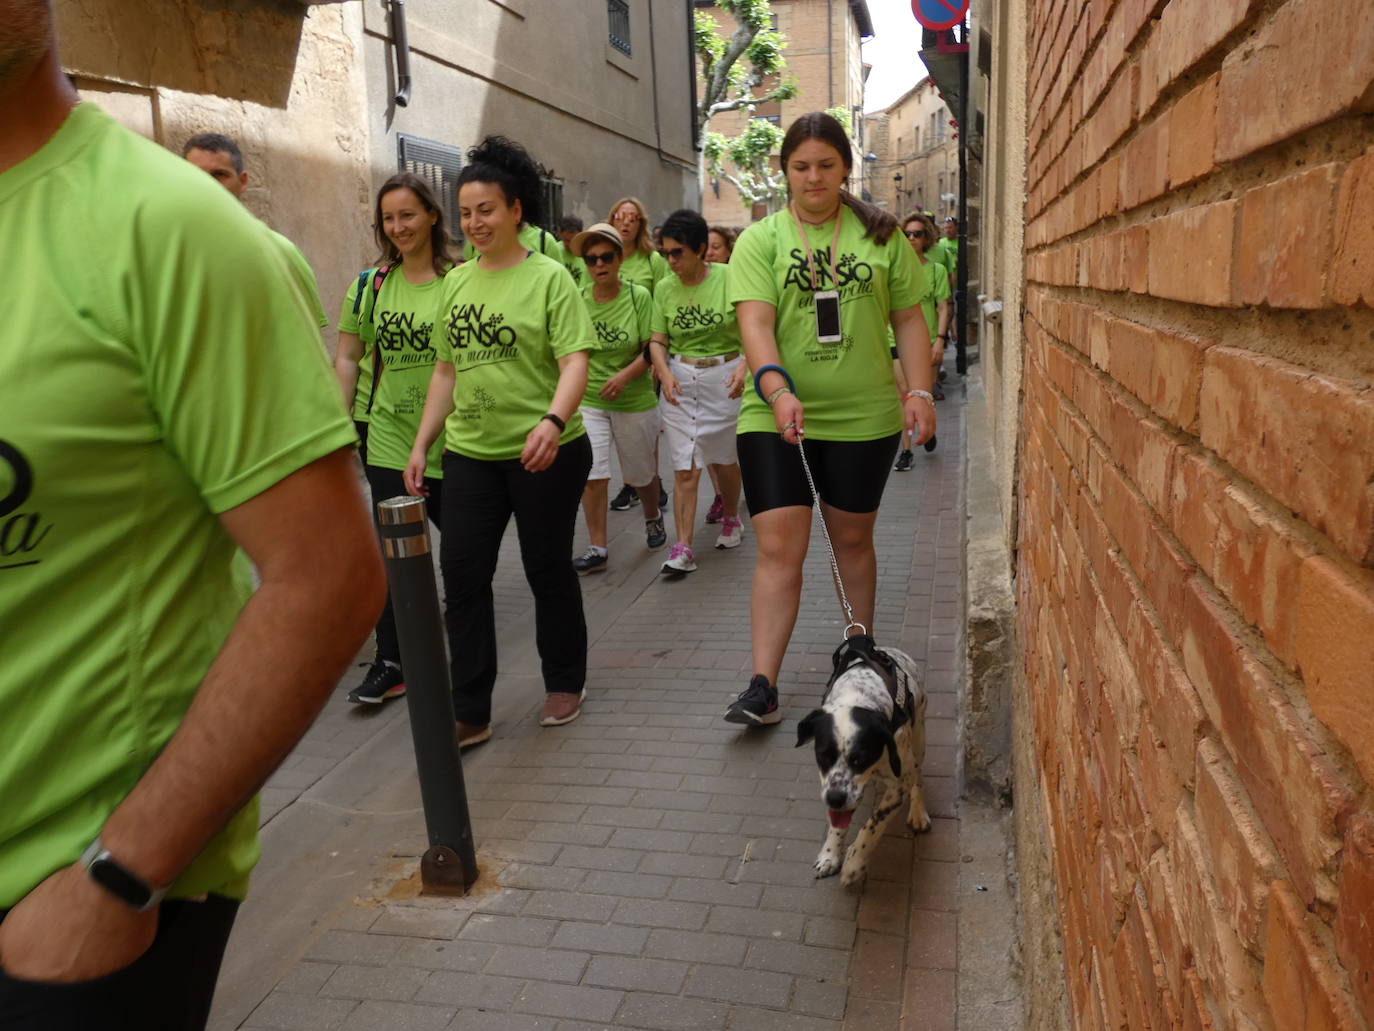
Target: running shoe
x,y
626,499
470,734
929,445
655,536
560,707
716,512
937,393
383,681
757,704
681,561
903,461
731,533
591,561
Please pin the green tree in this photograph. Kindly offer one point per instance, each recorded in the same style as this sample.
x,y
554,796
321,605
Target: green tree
x,y
733,73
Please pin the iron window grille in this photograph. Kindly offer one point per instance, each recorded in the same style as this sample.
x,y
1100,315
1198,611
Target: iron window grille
x,y
437,164
552,198
618,13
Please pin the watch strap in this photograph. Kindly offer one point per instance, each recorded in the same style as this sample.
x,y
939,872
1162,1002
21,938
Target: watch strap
x,y
119,880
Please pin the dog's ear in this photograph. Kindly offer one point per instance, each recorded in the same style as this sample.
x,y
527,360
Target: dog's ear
x,y
892,756
806,729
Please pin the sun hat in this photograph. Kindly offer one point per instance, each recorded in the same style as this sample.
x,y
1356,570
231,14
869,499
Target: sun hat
x,y
598,232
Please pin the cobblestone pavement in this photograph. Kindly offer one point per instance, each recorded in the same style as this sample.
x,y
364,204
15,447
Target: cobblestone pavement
x,y
649,865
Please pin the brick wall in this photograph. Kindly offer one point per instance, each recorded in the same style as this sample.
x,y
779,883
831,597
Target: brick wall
x,y
1195,565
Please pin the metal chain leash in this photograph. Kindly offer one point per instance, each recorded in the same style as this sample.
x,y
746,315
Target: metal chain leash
x,y
829,547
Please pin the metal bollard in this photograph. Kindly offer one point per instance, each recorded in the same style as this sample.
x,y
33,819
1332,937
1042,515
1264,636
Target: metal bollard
x,y
449,866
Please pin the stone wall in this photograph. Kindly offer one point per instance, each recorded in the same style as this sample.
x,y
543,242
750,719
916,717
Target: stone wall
x,y
1195,575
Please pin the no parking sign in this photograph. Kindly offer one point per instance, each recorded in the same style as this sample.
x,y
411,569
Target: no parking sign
x,y
939,14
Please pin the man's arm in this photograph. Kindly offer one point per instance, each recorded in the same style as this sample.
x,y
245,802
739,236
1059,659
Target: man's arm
x,y
314,545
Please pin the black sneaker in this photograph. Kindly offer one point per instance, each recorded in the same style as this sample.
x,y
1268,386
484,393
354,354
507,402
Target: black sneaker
x,y
592,561
625,499
937,393
655,536
757,705
929,445
903,461
383,681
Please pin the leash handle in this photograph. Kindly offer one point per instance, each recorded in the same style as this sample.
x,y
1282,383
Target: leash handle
x,y
829,546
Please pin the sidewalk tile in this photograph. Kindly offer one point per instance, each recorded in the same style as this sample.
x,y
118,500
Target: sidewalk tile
x,y
282,1011
475,991
507,930
603,938
731,984
397,1016
648,975
670,1013
575,1001
382,983
550,964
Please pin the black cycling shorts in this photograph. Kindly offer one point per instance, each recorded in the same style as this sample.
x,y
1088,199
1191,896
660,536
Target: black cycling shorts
x,y
850,474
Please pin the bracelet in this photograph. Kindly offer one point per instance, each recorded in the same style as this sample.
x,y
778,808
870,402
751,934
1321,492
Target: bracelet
x,y
776,394
772,368
941,336
555,420
926,394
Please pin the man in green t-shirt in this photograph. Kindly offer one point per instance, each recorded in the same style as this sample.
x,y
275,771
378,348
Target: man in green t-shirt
x,y
219,156
169,411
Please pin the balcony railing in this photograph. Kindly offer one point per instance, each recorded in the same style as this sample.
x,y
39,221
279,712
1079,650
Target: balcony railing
x,y
618,13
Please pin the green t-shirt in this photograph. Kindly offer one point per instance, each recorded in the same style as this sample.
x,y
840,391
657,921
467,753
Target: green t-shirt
x,y
159,371
534,238
936,289
504,332
622,328
353,322
403,323
645,269
847,387
699,321
302,275
949,252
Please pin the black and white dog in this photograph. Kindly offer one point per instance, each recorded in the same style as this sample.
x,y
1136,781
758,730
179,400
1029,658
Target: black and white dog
x,y
870,729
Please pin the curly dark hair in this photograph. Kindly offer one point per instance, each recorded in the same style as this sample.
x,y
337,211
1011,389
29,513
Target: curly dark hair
x,y
506,163
686,226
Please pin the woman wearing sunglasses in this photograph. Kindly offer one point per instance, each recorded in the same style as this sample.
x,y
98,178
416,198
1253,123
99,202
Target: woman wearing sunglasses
x,y
919,229
619,404
695,348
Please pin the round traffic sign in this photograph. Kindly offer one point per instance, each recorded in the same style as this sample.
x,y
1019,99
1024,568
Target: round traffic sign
x,y
939,14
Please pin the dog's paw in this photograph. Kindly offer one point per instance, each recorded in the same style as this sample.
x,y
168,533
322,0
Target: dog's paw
x,y
919,822
827,863
853,873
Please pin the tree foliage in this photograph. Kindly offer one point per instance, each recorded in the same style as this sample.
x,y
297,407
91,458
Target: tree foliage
x,y
733,73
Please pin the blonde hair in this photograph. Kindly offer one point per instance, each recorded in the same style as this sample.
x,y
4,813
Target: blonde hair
x,y
641,242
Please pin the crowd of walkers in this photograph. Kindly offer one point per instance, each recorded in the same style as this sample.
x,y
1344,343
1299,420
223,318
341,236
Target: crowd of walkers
x,y
495,382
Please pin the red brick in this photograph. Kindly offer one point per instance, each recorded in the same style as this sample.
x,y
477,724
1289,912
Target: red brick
x,y
1190,254
1145,165
1112,118
1354,924
1296,792
1163,790
1157,880
1303,987
1284,241
1352,262
1193,134
1335,653
1243,861
1109,187
1170,700
1306,439
1135,259
1186,33
1197,1016
1336,53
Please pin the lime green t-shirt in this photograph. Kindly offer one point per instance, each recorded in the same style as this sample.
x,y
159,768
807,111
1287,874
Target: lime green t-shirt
x,y
622,329
504,332
302,275
949,250
645,269
533,238
847,387
159,370
936,289
353,322
403,324
699,321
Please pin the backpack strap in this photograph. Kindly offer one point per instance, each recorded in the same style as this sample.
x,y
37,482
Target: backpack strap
x,y
378,277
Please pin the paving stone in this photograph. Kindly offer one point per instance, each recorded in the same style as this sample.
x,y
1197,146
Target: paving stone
x,y
650,975
397,1016
669,1013
622,817
934,939
476,991
802,960
716,892
823,999
540,964
419,922
685,916
645,839
713,823
292,1012
458,955
572,834
756,1019
353,947
622,859
759,923
535,878
829,932
565,905
689,947
732,984
306,978
627,885
384,983
507,930
477,1020
576,1001
604,938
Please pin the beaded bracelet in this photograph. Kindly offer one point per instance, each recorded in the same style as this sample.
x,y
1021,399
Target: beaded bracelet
x,y
776,394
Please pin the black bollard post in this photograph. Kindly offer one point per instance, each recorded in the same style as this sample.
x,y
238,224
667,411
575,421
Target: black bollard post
x,y
449,866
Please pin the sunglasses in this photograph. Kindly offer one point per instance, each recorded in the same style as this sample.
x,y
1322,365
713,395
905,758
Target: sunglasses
x,y
915,234
604,258
675,253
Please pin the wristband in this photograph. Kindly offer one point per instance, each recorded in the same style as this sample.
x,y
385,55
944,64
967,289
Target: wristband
x,y
919,393
776,394
555,420
941,336
780,371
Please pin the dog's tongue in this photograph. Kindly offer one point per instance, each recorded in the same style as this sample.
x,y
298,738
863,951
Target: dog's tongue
x,y
839,818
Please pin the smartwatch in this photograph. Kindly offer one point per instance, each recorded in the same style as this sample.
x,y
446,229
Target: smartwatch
x,y
118,880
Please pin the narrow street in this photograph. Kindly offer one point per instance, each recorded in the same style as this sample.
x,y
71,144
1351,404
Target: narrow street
x,y
649,865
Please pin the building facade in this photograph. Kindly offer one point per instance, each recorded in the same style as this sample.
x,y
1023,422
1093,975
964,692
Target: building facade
x,y
823,55
601,94
913,155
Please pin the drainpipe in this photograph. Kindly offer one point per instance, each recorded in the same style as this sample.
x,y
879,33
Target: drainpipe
x,y
402,44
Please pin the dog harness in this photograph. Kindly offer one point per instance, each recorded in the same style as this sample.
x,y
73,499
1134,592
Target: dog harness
x,y
863,650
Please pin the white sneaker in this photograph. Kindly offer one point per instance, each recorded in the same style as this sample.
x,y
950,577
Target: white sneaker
x,y
680,560
731,533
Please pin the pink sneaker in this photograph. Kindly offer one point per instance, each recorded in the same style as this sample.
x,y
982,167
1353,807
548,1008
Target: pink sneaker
x,y
681,561
731,533
716,512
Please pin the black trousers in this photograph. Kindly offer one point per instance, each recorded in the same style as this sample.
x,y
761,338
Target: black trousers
x,y
168,988
389,483
479,499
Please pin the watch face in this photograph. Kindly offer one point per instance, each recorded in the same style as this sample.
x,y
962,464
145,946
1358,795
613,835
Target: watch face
x,y
120,883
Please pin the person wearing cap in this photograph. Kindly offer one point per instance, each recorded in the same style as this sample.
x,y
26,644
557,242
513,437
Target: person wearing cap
x,y
619,405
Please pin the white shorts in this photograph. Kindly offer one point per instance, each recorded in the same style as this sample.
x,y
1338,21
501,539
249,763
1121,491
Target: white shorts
x,y
701,427
635,436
